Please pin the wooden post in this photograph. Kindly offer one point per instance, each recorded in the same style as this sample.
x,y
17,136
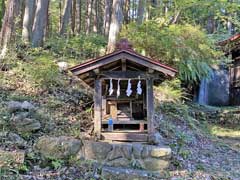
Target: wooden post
x,y
150,106
97,107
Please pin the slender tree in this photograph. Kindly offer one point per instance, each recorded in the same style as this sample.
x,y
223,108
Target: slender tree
x,y
73,17
229,22
60,14
107,17
140,11
2,11
8,25
78,16
210,24
126,12
116,23
95,18
40,22
28,20
66,16
89,16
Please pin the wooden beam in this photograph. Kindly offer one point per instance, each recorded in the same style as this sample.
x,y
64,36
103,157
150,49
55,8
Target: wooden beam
x,y
97,64
150,106
124,65
134,68
126,75
97,107
117,67
122,55
148,64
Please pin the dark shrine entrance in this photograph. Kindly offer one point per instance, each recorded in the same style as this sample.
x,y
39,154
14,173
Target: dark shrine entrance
x,y
128,113
123,92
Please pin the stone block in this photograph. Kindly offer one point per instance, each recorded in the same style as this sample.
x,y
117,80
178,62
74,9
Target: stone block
x,y
124,173
127,150
146,151
62,147
96,150
137,150
115,153
120,162
158,152
153,164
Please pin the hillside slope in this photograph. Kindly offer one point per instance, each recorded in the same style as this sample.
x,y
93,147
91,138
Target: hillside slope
x,y
57,104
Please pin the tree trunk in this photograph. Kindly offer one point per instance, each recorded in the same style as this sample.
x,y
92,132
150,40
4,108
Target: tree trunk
x,y
210,24
126,12
8,25
116,23
28,20
89,14
60,14
48,26
99,13
95,19
140,12
73,18
66,16
2,11
78,16
229,23
19,26
107,17
40,23
229,27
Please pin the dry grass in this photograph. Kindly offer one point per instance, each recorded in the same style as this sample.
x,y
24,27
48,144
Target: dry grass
x,y
221,131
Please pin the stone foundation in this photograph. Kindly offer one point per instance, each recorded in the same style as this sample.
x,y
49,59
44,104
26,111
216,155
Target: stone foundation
x,y
128,155
125,155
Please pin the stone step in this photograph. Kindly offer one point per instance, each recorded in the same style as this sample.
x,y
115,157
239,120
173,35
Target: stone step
x,y
128,174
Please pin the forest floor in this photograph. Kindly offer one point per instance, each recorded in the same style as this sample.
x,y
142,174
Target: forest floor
x,y
203,147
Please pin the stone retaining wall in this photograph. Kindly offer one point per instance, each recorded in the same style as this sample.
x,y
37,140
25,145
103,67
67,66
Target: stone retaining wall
x,y
148,157
127,155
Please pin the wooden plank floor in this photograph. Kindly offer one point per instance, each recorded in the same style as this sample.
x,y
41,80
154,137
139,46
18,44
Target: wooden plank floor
x,y
126,122
125,136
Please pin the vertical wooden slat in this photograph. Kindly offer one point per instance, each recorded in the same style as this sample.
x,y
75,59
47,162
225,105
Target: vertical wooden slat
x,y
131,109
124,65
150,106
97,107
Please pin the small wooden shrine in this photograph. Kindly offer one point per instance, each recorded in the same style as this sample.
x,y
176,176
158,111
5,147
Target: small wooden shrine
x,y
123,92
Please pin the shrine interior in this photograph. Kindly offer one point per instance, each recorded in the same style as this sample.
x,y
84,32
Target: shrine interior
x,y
126,111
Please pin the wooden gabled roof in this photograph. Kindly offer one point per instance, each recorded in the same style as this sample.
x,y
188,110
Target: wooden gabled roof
x,y
233,38
123,51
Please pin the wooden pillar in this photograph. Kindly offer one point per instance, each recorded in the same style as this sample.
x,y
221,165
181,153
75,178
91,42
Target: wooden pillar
x,y
97,107
150,106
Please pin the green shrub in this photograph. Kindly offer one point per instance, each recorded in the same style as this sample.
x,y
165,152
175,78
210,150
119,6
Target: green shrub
x,y
78,47
170,91
185,46
43,72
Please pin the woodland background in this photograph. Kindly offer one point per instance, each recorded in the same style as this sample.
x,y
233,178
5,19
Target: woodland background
x,y
40,39
182,33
